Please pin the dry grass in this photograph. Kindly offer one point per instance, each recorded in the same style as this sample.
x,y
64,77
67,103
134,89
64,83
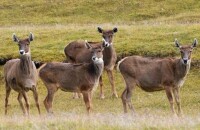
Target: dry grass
x,y
152,110
97,121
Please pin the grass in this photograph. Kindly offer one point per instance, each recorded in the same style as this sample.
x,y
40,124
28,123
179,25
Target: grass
x,y
153,111
101,121
146,40
97,12
146,28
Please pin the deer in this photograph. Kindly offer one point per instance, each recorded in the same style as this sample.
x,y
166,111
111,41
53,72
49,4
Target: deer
x,y
69,77
21,75
156,74
77,53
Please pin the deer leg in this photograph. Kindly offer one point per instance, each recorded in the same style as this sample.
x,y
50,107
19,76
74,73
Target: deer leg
x,y
168,91
35,95
123,97
49,98
87,100
8,90
101,88
79,95
90,99
128,98
26,101
111,79
127,93
76,95
21,103
177,99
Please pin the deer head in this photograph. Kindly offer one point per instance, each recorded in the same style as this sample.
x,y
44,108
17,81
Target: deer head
x,y
97,56
107,35
24,48
186,51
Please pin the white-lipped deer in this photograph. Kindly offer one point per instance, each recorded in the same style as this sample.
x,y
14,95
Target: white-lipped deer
x,y
155,74
82,77
77,53
21,75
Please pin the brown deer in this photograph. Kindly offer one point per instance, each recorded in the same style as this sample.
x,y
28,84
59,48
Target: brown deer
x,y
155,74
21,75
73,77
77,53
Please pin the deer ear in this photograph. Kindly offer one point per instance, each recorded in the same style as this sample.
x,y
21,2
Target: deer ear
x,y
87,45
100,30
15,38
115,30
176,43
31,37
195,43
103,45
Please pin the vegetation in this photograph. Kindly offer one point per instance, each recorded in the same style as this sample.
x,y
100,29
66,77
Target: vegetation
x,y
153,110
146,27
97,12
147,40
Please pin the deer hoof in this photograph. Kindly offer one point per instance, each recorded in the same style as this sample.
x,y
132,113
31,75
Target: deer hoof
x,y
50,114
76,96
114,95
102,96
180,115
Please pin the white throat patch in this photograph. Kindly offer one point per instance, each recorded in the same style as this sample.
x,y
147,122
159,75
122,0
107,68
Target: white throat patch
x,y
107,44
98,60
188,62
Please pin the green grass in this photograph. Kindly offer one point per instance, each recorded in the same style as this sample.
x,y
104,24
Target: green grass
x,y
146,27
146,40
97,12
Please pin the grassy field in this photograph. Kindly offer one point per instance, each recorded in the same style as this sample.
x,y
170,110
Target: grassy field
x,y
146,27
153,111
146,40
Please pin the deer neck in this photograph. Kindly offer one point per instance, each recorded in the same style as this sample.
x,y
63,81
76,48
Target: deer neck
x,y
108,52
95,69
182,69
26,65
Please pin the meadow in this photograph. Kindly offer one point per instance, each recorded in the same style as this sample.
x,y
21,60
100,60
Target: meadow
x,y
146,28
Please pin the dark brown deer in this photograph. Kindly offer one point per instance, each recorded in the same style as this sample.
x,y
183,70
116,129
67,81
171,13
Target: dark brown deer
x,y
77,53
156,74
21,75
70,77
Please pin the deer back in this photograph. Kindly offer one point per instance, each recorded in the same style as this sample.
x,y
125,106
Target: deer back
x,y
76,51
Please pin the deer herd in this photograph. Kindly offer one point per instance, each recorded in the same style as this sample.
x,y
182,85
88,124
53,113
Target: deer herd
x,y
83,72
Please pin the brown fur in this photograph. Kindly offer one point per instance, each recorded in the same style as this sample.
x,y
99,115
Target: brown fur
x,y
155,74
72,78
21,76
77,53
